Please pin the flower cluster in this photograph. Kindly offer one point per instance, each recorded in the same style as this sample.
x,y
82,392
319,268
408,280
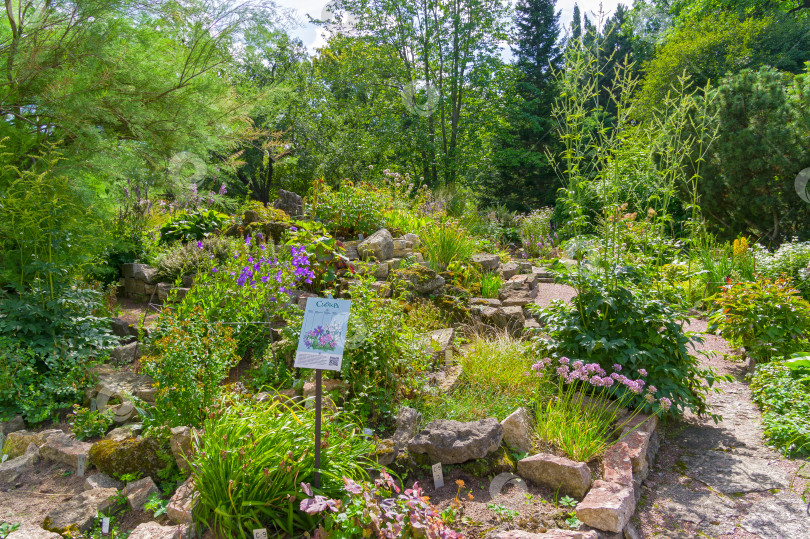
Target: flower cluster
x,y
379,510
321,338
300,262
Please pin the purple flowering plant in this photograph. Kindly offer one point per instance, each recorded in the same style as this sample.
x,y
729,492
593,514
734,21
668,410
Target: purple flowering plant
x,y
378,509
322,338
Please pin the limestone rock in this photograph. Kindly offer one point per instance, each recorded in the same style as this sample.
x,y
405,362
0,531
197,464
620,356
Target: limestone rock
x,y
531,324
385,452
78,513
608,506
138,492
124,329
421,280
163,290
454,442
440,345
327,386
124,433
486,262
290,203
124,412
407,426
250,216
101,480
64,449
509,270
30,531
12,469
17,442
129,456
120,385
489,302
379,245
181,505
414,239
517,429
144,273
126,354
14,424
180,443
519,298
153,530
570,477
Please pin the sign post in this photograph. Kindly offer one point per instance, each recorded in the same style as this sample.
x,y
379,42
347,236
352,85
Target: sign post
x,y
320,347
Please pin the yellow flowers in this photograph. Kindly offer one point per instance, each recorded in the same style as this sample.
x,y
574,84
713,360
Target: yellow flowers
x,y
740,247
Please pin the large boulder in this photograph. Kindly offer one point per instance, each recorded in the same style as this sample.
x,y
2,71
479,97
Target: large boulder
x,y
517,428
180,443
454,442
64,449
126,354
138,492
557,473
421,280
290,203
77,514
12,425
379,245
17,442
118,386
145,455
11,470
486,262
181,505
608,506
144,273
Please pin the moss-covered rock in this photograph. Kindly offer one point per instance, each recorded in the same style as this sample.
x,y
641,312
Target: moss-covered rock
x,y
145,455
17,442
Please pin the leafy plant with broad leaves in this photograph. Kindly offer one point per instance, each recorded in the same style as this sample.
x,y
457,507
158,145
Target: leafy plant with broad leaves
x,y
782,391
627,325
768,317
87,424
192,225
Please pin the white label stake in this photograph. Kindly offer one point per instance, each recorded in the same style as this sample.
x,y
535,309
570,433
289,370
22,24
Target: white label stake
x,y
260,534
105,525
80,466
438,477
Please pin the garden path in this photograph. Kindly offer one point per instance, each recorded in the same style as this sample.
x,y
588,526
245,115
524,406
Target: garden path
x,y
720,480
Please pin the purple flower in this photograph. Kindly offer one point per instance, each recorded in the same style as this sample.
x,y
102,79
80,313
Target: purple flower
x,y
294,229
642,372
665,403
199,245
617,367
564,360
222,189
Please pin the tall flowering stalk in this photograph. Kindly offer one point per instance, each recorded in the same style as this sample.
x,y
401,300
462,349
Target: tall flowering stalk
x,y
583,411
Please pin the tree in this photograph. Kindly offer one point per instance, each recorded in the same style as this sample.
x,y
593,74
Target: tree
x,y
576,24
525,178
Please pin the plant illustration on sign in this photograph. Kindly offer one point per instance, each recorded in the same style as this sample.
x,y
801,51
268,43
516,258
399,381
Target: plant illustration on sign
x,y
322,338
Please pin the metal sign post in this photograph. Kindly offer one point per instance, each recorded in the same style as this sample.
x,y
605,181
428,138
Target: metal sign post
x,y
320,347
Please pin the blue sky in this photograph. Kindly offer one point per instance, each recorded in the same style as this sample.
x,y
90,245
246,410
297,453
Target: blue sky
x,y
311,36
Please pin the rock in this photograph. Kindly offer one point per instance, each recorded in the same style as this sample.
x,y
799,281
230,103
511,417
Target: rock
x,y
180,442
144,273
64,449
510,317
440,345
181,505
608,506
302,298
732,473
127,270
528,280
290,203
524,266
78,513
385,452
181,294
163,290
17,442
497,462
379,245
12,469
138,492
531,324
509,270
517,428
421,280
30,531
250,216
402,248
639,422
557,473
14,424
637,443
124,433
122,328
101,480
129,456
120,385
617,464
408,421
549,534
381,271
486,262
124,413
126,354
153,530
188,281
454,442
489,302
631,532
350,248
327,386
519,298
416,242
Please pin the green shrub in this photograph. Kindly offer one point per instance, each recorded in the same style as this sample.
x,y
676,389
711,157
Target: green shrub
x,y
268,213
46,346
192,225
351,210
792,259
783,394
188,361
491,285
768,317
251,462
87,424
446,242
631,328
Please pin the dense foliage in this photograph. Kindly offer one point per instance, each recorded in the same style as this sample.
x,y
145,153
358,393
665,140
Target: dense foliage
x,y
781,390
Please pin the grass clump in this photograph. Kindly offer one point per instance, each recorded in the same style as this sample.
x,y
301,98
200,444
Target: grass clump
x,y
443,243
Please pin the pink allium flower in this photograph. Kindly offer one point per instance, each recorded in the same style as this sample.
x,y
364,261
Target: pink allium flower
x,y
642,372
665,403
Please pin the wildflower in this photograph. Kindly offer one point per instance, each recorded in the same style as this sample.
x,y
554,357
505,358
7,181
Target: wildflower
x,y
562,370
652,390
642,372
199,245
617,367
564,360
222,189
665,403
649,398
294,229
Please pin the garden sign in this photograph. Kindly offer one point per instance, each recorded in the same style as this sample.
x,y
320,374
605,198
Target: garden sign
x,y
320,347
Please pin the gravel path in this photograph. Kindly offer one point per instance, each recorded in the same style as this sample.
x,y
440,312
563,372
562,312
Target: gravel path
x,y
720,480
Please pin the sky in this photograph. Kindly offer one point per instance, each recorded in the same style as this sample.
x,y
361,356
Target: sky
x,y
313,38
